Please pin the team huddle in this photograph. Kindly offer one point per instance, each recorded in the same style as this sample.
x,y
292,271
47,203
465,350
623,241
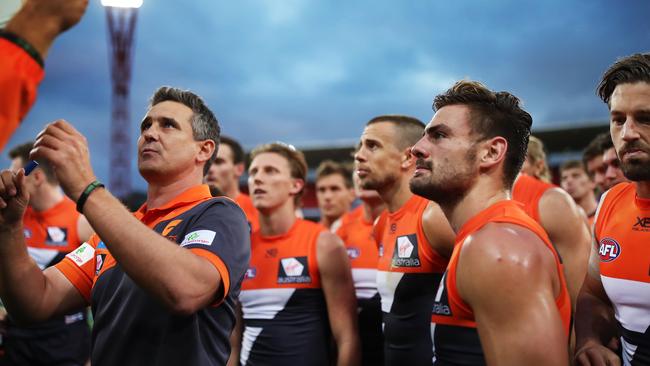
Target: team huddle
x,y
459,252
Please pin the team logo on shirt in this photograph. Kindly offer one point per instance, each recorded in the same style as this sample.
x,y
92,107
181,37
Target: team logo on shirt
x,y
56,236
27,233
99,263
293,270
172,224
250,273
609,250
353,252
406,251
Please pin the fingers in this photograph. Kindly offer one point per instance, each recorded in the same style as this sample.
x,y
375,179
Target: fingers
x,y
8,188
19,181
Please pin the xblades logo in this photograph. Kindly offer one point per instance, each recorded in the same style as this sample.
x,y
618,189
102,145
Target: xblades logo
x,y
642,224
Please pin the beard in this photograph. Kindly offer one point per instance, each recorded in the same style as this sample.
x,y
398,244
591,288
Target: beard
x,y
636,169
448,183
377,183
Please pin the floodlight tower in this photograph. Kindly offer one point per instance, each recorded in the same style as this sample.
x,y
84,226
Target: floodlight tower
x,y
121,16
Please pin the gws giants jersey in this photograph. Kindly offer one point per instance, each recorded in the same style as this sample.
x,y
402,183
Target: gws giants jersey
x,y
408,273
455,336
622,231
284,309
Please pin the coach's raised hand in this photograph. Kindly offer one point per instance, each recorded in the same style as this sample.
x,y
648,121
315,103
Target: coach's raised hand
x,y
67,151
41,21
13,198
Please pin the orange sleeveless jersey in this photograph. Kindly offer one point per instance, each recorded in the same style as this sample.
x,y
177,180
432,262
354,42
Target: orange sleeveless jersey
x,y
252,215
51,234
284,310
357,236
529,190
622,232
20,75
408,273
455,336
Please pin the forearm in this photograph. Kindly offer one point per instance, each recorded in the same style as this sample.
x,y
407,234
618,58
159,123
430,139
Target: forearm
x,y
349,350
22,283
40,37
178,278
595,320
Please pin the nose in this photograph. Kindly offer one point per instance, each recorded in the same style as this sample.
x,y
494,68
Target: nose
x,y
629,131
418,151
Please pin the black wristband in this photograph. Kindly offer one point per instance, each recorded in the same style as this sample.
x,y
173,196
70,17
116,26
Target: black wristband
x,y
84,196
22,43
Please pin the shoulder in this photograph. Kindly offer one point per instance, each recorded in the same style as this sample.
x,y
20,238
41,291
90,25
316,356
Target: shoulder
x,y
557,203
505,247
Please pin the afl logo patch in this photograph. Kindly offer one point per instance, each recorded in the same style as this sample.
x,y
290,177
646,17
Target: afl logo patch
x,y
353,253
250,273
609,250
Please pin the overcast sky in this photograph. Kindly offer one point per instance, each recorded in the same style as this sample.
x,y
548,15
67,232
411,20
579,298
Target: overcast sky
x,y
313,72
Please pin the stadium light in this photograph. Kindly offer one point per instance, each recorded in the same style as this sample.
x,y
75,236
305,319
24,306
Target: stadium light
x,y
121,17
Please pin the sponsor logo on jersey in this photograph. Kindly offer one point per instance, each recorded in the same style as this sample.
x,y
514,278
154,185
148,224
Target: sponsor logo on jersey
x,y
609,250
406,251
172,224
27,233
293,270
82,255
353,252
441,302
642,224
203,237
250,273
99,263
101,245
56,236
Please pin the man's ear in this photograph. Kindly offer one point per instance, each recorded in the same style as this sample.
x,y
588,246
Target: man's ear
x,y
206,149
492,152
408,160
296,186
239,169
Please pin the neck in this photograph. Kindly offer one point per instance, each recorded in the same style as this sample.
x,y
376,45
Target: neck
x,y
482,195
588,202
372,210
47,197
643,189
233,191
396,195
278,220
160,193
328,221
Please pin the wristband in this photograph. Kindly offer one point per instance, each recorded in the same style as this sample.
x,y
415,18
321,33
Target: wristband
x,y
84,196
22,43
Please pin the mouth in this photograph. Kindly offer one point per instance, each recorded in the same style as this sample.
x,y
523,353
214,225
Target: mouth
x,y
258,191
362,172
632,153
148,150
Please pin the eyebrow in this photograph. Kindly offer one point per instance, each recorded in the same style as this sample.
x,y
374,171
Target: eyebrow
x,y
433,129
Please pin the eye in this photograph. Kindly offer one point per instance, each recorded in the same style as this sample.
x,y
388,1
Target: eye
x,y
145,125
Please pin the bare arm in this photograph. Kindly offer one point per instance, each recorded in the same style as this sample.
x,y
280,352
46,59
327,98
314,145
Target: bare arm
x,y
39,22
566,228
509,279
188,281
437,230
84,230
595,323
336,280
29,294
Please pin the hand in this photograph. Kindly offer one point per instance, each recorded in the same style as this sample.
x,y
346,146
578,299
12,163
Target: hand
x,y
14,198
67,151
41,21
595,354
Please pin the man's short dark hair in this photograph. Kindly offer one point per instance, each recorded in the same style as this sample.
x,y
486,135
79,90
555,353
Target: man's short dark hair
x,y
597,147
573,164
22,152
330,167
204,124
627,70
238,154
493,114
409,129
